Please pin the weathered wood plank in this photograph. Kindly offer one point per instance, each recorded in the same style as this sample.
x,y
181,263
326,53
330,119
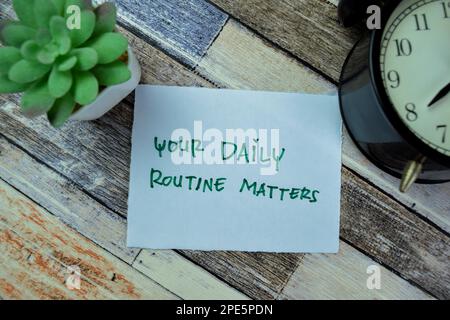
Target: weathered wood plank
x,y
241,60
344,276
309,29
184,29
184,277
261,275
104,227
37,249
65,200
244,263
116,133
395,236
48,189
98,162
429,201
65,145
419,253
281,72
237,57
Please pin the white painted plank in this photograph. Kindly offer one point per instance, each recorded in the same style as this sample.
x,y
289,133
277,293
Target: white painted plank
x,y
183,277
344,276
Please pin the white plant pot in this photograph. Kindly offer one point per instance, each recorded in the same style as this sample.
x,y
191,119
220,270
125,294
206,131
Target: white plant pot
x,y
112,95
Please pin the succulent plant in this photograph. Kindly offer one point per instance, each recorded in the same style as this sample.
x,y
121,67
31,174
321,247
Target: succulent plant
x,y
59,68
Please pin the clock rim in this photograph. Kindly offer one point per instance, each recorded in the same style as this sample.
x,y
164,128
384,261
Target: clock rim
x,y
381,94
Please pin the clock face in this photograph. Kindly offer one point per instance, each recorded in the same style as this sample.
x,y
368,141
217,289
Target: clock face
x,y
415,68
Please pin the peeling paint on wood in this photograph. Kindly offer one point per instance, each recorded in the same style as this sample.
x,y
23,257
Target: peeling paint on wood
x,y
92,159
167,268
37,249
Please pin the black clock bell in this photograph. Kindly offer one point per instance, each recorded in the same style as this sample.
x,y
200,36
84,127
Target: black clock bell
x,y
394,90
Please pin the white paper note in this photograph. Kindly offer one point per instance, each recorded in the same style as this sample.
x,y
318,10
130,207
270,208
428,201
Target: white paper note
x,y
234,170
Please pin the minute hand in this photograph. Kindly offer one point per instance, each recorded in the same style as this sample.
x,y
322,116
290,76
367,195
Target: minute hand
x,y
440,95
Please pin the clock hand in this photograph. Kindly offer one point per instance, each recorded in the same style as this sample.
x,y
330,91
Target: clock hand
x,y
440,95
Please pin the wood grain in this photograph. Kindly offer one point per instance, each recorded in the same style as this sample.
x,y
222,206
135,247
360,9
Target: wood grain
x,y
184,29
395,236
419,253
47,188
308,29
37,249
344,276
78,152
259,275
71,147
65,200
104,227
185,278
241,60
102,147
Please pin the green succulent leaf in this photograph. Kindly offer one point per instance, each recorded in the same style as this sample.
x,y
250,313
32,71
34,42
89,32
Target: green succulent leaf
x,y
112,73
58,27
8,57
59,82
8,86
43,11
85,87
61,110
87,25
60,34
14,34
109,46
37,99
30,50
106,18
82,4
87,58
67,63
59,5
26,71
48,54
64,45
25,15
43,37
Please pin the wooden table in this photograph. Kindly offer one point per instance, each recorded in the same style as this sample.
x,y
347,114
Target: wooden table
x,y
63,193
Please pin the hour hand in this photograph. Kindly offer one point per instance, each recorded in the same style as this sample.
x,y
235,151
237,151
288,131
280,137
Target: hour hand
x,y
440,95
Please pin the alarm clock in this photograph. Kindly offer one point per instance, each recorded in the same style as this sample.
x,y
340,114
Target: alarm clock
x,y
394,89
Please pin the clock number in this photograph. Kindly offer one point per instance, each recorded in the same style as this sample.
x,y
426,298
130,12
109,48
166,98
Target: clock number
x,y
443,127
404,47
444,7
411,114
394,78
421,22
